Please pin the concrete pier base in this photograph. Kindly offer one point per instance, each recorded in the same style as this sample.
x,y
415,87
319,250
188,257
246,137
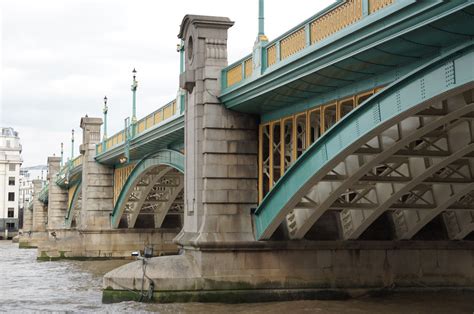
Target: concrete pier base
x,y
322,271
31,240
105,244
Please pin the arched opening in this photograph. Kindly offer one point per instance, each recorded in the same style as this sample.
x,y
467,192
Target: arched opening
x,y
156,200
152,196
74,209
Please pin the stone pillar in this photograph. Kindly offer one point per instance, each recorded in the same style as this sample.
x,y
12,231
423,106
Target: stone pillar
x,y
57,198
40,213
97,180
221,145
27,219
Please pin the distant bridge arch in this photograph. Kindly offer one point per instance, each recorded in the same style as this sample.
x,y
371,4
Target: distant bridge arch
x,y
74,206
153,187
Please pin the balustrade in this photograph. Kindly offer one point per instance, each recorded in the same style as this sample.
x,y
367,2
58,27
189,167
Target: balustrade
x,y
283,141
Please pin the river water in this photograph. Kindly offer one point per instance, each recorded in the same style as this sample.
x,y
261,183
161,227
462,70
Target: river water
x,y
27,285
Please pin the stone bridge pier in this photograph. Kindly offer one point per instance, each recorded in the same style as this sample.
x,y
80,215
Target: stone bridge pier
x,y
27,227
57,206
221,260
36,218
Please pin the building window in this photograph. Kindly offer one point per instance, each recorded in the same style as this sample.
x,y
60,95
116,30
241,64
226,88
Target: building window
x,y
10,226
11,180
12,167
11,196
11,213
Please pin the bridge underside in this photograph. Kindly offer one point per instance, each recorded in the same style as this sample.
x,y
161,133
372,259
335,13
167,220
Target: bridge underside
x,y
152,194
413,179
73,217
398,167
156,200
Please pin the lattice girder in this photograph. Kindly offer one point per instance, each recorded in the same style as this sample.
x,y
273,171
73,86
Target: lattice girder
x,y
460,220
422,155
157,197
135,205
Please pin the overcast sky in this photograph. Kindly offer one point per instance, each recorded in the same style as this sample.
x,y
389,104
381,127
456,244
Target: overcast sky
x,y
60,57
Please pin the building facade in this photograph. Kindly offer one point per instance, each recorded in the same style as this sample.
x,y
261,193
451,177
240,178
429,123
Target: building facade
x,y
27,175
10,162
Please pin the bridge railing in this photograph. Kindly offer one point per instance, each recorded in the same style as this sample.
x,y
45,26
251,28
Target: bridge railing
x,y
314,30
76,162
69,167
150,121
284,140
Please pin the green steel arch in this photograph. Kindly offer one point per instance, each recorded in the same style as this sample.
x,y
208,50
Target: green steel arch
x,y
166,157
44,194
75,197
451,71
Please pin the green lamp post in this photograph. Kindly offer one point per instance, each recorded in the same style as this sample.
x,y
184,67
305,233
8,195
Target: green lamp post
x,y
134,102
105,110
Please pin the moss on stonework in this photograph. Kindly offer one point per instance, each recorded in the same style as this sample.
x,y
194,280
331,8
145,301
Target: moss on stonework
x,y
62,256
26,245
115,296
227,296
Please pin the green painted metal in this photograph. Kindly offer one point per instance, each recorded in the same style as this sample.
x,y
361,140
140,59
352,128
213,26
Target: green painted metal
x,y
181,56
75,197
44,194
365,7
69,175
134,103
169,132
261,20
129,133
279,38
72,144
105,110
403,33
182,102
164,157
62,154
382,108
382,79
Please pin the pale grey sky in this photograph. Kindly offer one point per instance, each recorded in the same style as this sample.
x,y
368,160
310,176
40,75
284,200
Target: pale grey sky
x,y
60,57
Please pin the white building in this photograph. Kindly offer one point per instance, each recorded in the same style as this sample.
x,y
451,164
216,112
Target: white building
x,y
27,175
10,162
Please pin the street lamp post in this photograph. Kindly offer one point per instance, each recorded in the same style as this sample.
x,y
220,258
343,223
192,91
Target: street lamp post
x,y
180,49
260,42
134,101
261,24
62,153
106,109
261,21
72,145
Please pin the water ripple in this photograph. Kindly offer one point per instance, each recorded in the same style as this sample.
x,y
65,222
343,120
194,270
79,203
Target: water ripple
x,y
27,285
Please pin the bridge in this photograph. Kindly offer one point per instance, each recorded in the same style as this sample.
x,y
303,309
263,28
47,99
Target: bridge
x,y
323,160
